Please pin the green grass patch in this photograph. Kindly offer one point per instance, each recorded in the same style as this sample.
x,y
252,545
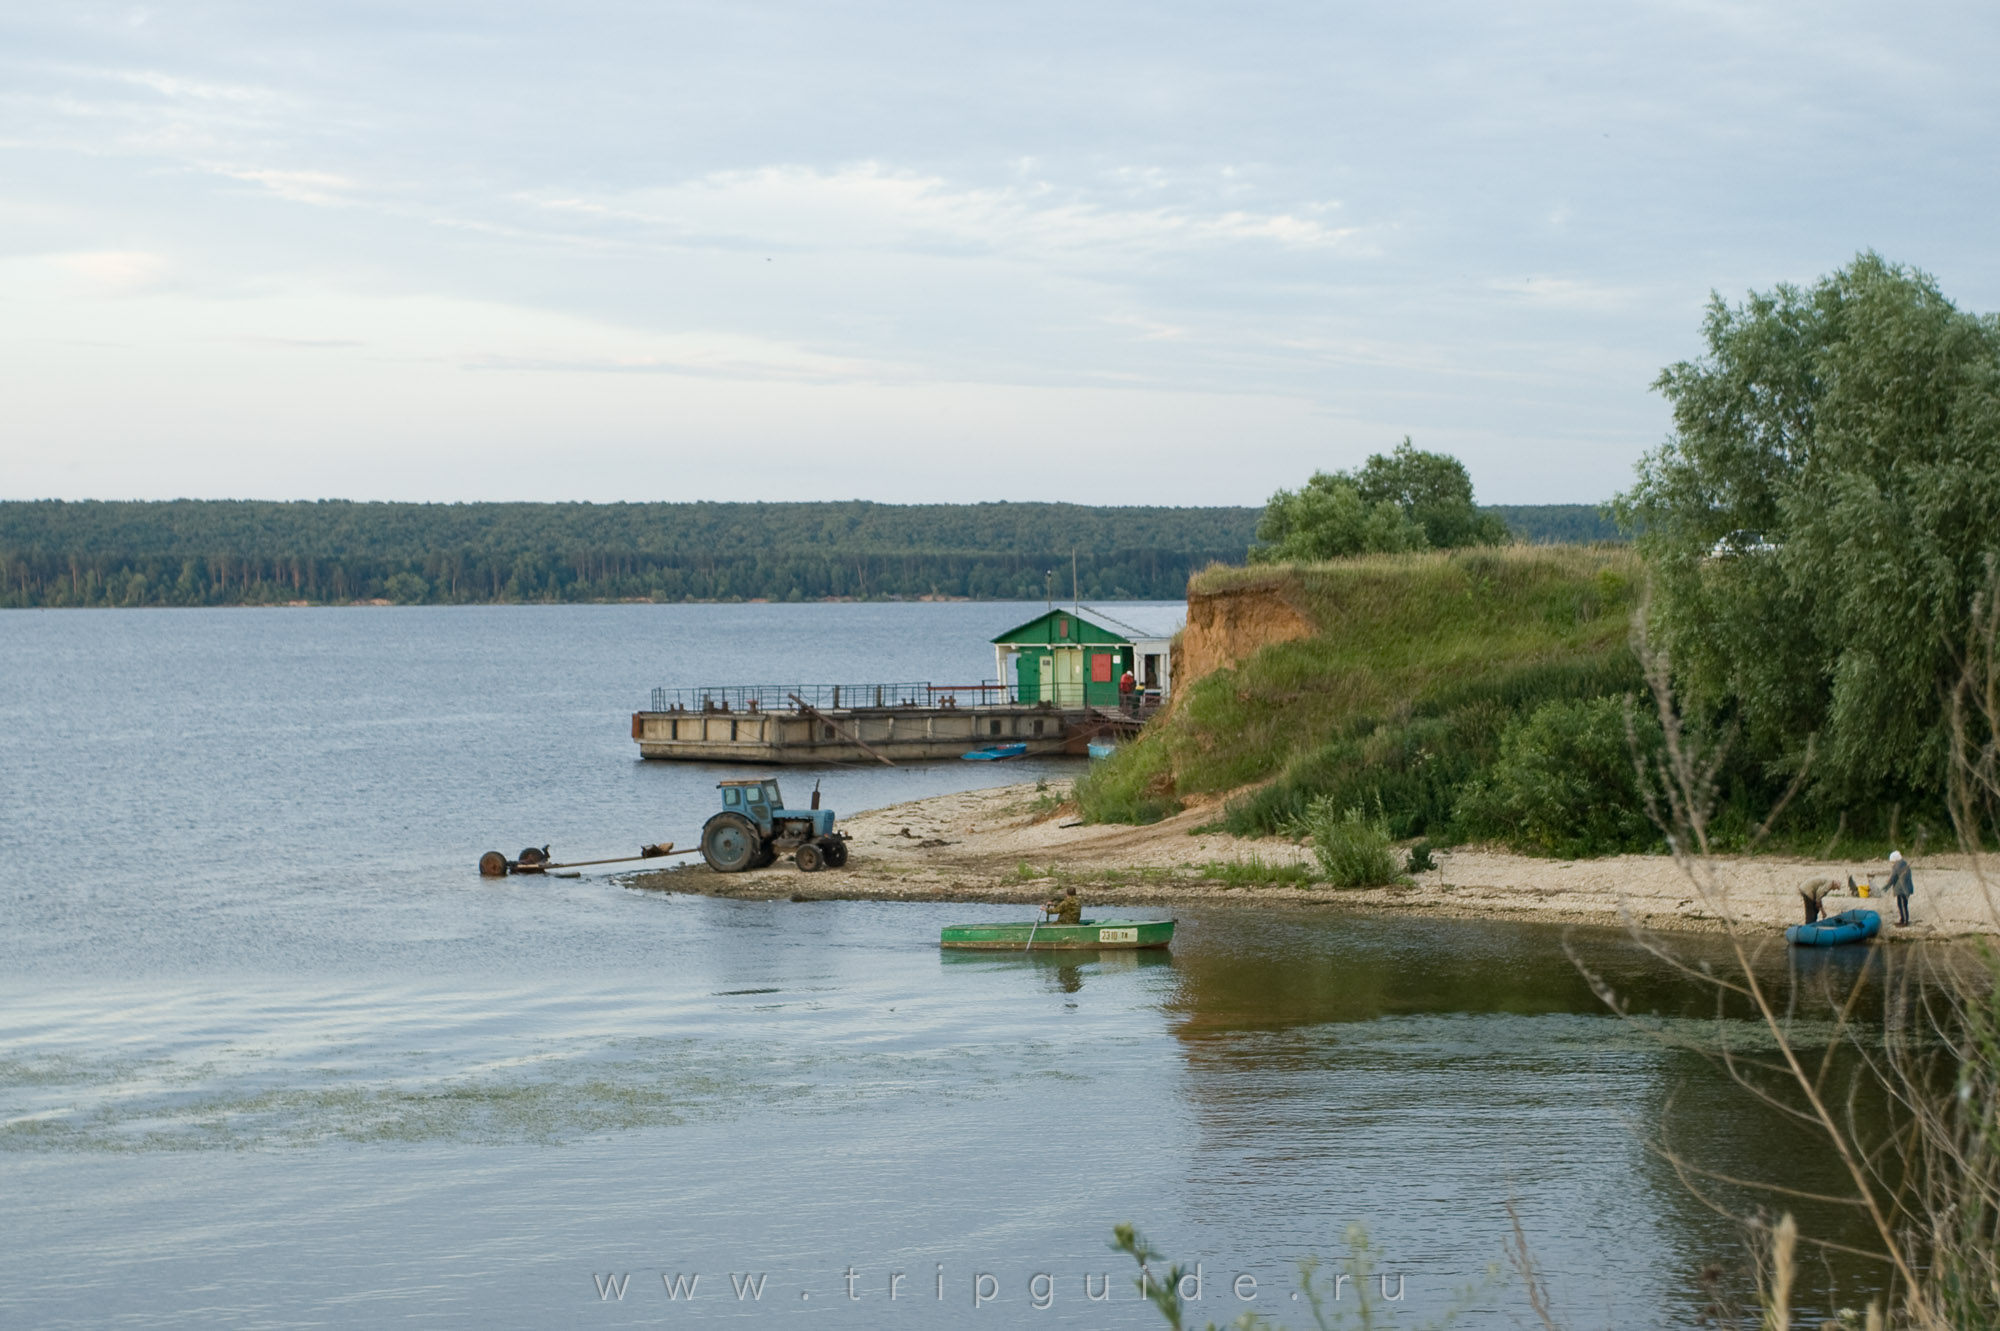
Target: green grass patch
x,y
1259,872
1134,785
1399,704
1353,847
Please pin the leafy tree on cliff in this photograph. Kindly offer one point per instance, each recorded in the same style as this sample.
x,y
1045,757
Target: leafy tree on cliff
x,y
1326,518
1435,491
1855,426
1406,500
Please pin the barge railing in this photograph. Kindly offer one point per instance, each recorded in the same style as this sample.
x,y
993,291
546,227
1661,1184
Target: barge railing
x,y
832,697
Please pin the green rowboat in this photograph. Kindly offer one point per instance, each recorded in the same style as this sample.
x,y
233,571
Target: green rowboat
x,y
1094,935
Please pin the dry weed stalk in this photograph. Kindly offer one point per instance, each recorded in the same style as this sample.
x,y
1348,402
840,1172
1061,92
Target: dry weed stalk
x,y
1928,1183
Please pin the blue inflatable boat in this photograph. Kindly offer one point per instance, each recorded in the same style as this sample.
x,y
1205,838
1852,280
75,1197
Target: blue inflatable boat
x,y
995,754
1850,926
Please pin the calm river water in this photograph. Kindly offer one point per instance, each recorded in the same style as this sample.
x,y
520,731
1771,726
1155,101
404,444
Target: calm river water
x,y
271,1054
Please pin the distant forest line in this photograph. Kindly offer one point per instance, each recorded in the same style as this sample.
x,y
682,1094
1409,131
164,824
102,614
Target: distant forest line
x,y
251,552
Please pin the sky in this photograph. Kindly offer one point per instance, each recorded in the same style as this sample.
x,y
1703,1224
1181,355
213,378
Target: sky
x,y
1111,253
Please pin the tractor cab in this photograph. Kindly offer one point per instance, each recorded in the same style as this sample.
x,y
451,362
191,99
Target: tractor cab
x,y
761,802
754,828
757,800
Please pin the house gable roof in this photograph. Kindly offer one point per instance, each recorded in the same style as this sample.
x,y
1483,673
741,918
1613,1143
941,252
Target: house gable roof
x,y
1090,625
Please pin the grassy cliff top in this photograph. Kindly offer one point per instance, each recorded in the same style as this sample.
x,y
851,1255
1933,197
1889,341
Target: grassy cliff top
x,y
1399,694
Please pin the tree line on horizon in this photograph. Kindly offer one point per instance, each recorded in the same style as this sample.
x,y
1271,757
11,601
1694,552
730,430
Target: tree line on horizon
x,y
254,552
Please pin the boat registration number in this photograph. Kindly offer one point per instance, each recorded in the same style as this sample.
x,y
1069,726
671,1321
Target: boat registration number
x,y
1117,935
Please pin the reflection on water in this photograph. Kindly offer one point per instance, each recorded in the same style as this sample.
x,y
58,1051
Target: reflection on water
x,y
298,1064
1486,1042
1064,970
753,1081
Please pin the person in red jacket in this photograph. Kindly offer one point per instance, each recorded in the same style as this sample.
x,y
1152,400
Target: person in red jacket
x,y
1128,688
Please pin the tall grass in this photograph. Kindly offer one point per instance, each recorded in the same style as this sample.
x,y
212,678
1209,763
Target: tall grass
x,y
1906,1104
1909,1108
1134,785
1354,1294
1413,765
1464,696
1353,848
1398,632
1400,699
1256,871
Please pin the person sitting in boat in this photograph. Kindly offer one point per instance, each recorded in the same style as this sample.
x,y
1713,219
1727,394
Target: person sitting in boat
x,y
1902,885
1066,908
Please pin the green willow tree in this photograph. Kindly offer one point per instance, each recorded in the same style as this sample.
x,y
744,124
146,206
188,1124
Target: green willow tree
x,y
1327,518
1405,500
1435,491
1820,519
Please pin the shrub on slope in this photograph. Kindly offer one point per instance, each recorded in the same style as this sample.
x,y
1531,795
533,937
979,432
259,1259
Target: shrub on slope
x,y
1399,702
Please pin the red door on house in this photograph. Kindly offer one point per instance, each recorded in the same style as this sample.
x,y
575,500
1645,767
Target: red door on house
x,y
1102,691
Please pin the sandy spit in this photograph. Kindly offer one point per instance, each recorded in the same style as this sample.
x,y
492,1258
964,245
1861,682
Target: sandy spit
x,y
1019,844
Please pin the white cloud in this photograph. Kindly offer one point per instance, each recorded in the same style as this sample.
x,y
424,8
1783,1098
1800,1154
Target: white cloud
x,y
1569,293
1150,330
873,206
718,355
322,188
199,90
1477,224
117,271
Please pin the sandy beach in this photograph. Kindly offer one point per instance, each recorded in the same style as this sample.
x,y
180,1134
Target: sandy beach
x,y
1020,844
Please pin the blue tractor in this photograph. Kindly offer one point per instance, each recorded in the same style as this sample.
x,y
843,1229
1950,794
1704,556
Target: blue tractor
x,y
754,828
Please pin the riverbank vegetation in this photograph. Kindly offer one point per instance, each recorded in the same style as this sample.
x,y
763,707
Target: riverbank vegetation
x,y
1420,700
1816,653
1899,1085
1809,544
1817,528
229,552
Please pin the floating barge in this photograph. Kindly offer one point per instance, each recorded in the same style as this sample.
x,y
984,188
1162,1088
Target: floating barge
x,y
860,723
1060,689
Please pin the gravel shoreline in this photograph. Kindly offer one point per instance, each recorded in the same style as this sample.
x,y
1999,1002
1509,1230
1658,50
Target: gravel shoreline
x,y
1019,845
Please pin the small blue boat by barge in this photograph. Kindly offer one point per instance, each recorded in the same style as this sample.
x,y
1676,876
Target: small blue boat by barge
x,y
1850,926
997,753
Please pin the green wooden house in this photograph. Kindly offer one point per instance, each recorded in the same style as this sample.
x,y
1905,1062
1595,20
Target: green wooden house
x,y
1075,656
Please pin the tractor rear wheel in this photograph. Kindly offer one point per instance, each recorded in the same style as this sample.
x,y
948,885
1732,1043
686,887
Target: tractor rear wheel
x,y
730,844
808,858
836,852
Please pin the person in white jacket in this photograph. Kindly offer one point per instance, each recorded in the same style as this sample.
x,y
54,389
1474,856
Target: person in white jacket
x,y
1902,885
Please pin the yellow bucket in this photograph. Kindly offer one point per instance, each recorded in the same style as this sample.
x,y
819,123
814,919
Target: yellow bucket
x,y
1862,890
